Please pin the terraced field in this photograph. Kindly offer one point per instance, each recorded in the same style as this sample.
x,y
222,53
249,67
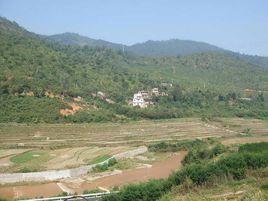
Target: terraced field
x,y
25,148
39,160
28,148
103,134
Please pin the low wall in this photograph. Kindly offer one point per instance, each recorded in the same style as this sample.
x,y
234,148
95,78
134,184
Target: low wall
x,y
51,175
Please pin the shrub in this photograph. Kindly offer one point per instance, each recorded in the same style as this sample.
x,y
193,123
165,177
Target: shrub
x,y
197,155
254,147
92,191
173,147
105,166
234,165
112,162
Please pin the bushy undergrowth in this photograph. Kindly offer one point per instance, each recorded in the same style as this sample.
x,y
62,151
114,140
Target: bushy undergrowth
x,y
149,191
105,166
234,165
254,147
92,191
197,155
172,147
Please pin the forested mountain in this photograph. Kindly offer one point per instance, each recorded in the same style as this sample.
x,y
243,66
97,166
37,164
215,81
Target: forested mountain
x,y
256,60
76,39
39,79
173,47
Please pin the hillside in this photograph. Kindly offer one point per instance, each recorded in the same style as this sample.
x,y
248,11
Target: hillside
x,y
78,40
212,70
173,47
40,82
256,60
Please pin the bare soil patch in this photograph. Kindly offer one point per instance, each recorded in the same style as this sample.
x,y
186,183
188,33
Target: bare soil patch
x,y
243,140
30,191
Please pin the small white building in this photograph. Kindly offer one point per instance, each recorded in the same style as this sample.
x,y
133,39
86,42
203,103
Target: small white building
x,y
138,100
155,91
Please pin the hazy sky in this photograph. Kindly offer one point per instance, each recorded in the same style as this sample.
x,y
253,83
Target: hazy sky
x,y
239,25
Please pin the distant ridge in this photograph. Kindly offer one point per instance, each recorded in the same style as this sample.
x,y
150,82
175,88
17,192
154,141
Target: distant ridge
x,y
172,47
78,40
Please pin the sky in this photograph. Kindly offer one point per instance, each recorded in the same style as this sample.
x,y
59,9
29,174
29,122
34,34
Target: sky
x,y
238,25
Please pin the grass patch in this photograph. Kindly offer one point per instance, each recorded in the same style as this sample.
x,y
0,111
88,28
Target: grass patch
x,y
27,156
100,159
96,190
254,147
27,169
264,187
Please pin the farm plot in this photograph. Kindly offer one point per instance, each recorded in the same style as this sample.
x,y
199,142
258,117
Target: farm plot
x,y
103,134
74,157
246,126
38,160
39,147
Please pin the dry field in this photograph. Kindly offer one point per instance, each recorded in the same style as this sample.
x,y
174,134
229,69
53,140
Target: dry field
x,y
22,160
105,134
25,148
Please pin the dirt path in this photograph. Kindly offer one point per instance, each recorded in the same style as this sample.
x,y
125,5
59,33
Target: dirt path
x,y
243,140
161,169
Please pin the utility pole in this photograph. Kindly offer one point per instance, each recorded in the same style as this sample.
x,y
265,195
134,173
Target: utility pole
x,y
123,48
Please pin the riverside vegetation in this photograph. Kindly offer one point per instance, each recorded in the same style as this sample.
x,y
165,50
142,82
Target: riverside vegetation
x,y
205,165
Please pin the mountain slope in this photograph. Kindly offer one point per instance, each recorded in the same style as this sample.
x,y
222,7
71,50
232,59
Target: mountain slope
x,y
172,47
78,40
211,70
40,77
255,60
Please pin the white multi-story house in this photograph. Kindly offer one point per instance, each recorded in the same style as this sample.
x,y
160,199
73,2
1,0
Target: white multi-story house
x,y
138,100
144,98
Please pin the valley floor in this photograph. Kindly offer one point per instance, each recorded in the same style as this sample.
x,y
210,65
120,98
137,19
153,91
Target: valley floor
x,y
40,147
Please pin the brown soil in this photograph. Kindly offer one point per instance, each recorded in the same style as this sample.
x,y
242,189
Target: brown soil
x,y
243,140
66,112
4,162
30,191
